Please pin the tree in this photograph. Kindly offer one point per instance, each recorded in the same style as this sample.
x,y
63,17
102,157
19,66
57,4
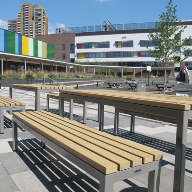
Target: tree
x,y
167,39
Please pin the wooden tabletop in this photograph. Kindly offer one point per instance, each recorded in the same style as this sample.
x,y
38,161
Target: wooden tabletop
x,y
143,98
5,101
37,86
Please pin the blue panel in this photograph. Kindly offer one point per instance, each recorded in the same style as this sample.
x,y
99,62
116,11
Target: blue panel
x,y
83,46
19,44
5,41
16,44
139,64
1,40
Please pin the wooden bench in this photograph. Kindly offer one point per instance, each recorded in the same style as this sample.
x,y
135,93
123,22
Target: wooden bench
x,y
8,104
84,103
105,157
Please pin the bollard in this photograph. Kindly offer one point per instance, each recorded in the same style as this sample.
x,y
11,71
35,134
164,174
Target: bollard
x,y
77,86
97,84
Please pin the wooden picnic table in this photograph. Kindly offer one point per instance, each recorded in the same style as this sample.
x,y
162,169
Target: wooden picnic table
x,y
164,108
114,84
37,88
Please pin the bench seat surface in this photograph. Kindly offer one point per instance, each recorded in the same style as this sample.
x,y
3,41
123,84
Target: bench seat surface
x,y
102,151
5,101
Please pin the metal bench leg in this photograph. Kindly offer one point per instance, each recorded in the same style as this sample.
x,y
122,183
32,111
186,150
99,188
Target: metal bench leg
x,y
116,121
15,136
101,118
1,120
106,185
43,144
154,179
84,112
61,106
71,110
132,124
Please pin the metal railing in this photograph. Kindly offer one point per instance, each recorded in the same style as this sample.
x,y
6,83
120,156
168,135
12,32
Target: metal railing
x,y
97,28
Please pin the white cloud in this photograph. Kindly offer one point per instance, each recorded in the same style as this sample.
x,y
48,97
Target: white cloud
x,y
60,25
51,28
3,24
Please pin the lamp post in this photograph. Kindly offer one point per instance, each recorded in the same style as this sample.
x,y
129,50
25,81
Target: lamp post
x,y
121,59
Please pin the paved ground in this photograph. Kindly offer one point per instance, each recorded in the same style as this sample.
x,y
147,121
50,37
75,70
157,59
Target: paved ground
x,y
35,169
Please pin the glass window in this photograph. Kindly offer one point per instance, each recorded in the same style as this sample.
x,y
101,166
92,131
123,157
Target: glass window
x,y
63,56
97,55
96,45
72,48
86,55
63,46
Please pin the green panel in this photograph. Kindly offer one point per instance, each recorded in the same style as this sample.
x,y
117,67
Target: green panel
x,y
52,50
134,64
93,45
48,50
35,47
11,42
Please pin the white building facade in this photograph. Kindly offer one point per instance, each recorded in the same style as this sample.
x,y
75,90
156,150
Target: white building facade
x,y
124,48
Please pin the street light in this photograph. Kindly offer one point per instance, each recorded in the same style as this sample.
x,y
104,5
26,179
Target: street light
x,y
121,59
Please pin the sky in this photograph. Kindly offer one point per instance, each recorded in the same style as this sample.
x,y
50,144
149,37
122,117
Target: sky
x,y
74,13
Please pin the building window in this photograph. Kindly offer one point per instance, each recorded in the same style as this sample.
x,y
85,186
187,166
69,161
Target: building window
x,y
72,48
147,43
93,45
63,56
63,46
124,43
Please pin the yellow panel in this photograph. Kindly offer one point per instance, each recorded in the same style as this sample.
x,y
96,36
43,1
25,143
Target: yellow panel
x,y
25,45
44,50
119,44
81,55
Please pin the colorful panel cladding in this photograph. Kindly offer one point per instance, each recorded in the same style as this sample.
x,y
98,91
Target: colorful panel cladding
x,y
15,43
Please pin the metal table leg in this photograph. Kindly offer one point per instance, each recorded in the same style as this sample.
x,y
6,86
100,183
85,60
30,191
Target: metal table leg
x,y
132,124
71,110
116,121
61,106
1,120
84,112
101,117
37,100
180,155
10,92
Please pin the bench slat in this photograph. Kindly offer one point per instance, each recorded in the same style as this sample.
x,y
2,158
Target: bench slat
x,y
98,162
123,163
96,139
156,154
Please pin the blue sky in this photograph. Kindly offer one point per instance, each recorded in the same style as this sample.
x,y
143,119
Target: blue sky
x,y
74,13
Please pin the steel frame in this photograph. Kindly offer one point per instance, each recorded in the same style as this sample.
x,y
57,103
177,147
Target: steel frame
x,y
106,181
20,107
178,117
37,94
84,103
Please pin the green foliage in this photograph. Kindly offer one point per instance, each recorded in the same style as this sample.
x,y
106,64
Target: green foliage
x,y
168,42
29,74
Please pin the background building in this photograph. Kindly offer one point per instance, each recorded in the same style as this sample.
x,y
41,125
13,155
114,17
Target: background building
x,y
31,21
